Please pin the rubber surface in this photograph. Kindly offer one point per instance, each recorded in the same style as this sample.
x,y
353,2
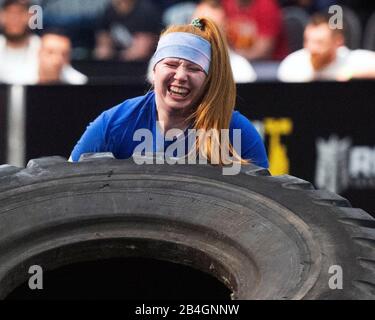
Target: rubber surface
x,y
264,237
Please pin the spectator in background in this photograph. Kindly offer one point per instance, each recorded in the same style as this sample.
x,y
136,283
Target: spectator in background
x,y
242,70
176,11
363,8
18,46
128,31
324,56
26,59
165,4
311,6
78,19
179,13
54,61
255,29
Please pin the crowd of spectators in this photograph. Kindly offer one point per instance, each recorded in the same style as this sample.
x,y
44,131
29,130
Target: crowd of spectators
x,y
128,30
26,58
325,56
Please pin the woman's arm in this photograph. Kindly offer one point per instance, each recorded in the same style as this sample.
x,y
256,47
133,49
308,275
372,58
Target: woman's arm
x,y
93,139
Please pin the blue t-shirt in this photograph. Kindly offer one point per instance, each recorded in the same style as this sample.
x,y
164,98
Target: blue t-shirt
x,y
113,131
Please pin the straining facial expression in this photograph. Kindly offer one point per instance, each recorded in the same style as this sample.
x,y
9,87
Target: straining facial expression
x,y
180,68
178,84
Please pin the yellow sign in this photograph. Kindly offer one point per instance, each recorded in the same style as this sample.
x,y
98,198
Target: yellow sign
x,y
277,152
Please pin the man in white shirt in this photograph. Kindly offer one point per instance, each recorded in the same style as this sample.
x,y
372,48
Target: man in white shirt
x,y
324,56
53,65
18,47
26,59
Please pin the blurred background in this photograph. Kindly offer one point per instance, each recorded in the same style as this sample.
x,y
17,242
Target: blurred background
x,y
304,69
105,35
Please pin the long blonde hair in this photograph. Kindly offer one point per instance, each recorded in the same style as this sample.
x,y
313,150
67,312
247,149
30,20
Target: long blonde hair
x,y
215,107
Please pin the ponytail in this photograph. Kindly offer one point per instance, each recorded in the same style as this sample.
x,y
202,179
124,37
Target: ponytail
x,y
215,107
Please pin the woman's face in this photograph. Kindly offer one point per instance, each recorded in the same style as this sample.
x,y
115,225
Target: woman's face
x,y
178,84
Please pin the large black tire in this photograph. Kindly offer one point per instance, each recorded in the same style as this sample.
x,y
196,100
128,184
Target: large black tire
x,y
264,237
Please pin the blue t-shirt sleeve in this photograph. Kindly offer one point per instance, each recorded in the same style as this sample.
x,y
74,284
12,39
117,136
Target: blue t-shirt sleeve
x,y
93,140
113,130
252,146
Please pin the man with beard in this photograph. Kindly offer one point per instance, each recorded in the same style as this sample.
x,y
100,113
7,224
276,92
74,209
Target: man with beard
x,y
325,57
18,47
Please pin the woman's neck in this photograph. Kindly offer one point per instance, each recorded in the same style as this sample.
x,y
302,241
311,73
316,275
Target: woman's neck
x,y
171,120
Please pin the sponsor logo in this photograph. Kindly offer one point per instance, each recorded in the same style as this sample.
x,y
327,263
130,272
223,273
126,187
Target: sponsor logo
x,y
275,129
341,166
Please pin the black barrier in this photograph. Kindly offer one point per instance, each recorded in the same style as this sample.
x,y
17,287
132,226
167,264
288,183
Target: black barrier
x,y
112,72
58,115
3,126
321,132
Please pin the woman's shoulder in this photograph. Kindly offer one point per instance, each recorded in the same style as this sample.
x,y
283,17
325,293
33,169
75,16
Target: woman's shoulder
x,y
129,109
239,121
248,131
252,146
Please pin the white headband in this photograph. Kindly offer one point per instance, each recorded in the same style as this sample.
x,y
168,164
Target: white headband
x,y
183,45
